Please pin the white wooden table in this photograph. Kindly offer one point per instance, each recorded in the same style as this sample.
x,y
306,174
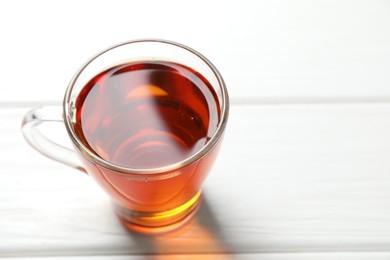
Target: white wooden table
x,y
304,172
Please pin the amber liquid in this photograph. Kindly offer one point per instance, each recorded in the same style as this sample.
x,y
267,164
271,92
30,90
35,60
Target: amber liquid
x,y
145,115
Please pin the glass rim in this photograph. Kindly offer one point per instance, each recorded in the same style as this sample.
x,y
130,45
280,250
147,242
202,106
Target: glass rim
x,y
91,156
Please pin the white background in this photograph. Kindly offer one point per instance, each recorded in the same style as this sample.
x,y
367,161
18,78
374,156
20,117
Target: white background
x,y
264,49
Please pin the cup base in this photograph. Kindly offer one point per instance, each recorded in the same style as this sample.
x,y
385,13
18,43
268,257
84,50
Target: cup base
x,y
158,222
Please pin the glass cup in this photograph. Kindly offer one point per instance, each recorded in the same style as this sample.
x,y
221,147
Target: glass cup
x,y
147,200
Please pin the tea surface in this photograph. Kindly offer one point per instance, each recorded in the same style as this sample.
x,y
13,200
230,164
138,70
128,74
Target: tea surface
x,y
147,114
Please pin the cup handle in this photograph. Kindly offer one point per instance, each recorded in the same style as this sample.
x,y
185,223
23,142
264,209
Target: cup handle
x,y
41,143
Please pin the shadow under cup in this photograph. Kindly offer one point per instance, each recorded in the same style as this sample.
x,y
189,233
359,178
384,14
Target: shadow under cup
x,y
147,200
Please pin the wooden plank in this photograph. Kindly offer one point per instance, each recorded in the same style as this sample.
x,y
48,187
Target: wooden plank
x,y
288,256
290,178
266,50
